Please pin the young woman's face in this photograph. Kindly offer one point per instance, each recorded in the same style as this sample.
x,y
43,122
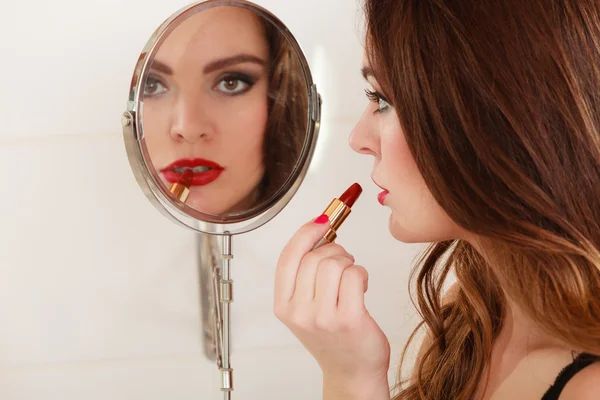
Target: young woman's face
x,y
205,108
415,215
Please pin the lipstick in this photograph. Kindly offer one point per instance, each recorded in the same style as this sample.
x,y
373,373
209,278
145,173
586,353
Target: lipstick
x,y
181,189
337,211
204,171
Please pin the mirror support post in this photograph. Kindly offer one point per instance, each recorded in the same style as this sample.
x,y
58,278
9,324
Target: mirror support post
x,y
207,250
216,296
226,298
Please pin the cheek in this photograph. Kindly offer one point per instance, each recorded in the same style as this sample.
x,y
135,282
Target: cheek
x,y
416,216
249,123
404,181
157,132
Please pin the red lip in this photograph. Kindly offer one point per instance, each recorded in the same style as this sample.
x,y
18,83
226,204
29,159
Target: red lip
x,y
381,197
200,178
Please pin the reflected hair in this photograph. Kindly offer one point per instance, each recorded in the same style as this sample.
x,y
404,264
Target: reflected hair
x,y
499,102
287,122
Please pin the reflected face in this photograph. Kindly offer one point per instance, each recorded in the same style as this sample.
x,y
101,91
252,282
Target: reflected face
x,y
416,217
206,109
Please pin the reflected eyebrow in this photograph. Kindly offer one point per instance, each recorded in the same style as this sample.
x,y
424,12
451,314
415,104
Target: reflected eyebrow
x,y
229,61
161,67
366,72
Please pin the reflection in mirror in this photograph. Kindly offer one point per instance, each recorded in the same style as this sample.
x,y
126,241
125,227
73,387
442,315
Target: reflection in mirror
x,y
225,111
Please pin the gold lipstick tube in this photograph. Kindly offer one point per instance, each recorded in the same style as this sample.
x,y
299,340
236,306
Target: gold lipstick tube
x,y
180,191
337,211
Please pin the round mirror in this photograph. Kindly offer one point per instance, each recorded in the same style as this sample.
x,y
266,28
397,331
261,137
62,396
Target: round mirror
x,y
222,118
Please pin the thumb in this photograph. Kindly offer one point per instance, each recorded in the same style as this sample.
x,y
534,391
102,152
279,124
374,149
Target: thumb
x,y
364,275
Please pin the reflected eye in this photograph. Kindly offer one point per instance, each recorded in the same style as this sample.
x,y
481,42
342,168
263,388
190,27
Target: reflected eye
x,y
378,99
154,87
236,84
232,86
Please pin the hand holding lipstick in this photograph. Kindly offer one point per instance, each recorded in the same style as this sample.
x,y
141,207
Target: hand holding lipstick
x,y
319,296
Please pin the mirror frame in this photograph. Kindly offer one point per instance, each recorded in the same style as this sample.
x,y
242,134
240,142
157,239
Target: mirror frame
x,y
139,160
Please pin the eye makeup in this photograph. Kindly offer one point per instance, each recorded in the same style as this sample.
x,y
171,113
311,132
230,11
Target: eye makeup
x,y
379,99
154,81
223,83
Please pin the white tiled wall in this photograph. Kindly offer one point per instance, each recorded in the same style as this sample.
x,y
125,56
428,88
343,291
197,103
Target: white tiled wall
x,y
98,291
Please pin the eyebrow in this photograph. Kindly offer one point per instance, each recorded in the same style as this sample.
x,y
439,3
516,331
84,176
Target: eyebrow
x,y
229,61
366,72
214,65
161,67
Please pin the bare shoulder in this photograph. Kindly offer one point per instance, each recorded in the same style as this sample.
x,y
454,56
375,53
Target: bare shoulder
x,y
585,385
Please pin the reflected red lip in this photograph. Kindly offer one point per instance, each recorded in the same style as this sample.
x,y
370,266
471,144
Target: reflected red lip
x,y
174,172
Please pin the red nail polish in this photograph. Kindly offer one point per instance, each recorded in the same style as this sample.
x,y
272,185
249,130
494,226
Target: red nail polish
x,y
323,219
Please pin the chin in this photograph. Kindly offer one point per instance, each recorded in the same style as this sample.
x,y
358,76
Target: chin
x,y
411,235
402,234
199,204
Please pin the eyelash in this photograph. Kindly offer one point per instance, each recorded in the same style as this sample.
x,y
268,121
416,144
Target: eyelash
x,y
376,98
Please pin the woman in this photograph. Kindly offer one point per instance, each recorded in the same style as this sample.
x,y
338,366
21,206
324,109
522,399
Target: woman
x,y
219,101
485,129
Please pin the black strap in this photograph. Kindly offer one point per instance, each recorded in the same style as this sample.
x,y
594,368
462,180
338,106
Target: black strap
x,y
568,372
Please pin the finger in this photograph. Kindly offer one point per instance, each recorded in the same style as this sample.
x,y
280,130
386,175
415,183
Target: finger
x,y
304,290
327,285
352,289
291,256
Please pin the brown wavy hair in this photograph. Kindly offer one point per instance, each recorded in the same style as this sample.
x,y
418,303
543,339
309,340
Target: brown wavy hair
x,y
288,113
499,102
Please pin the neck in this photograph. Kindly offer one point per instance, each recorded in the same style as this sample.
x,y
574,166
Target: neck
x,y
519,332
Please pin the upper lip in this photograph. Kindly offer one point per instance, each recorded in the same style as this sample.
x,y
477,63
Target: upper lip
x,y
375,182
192,163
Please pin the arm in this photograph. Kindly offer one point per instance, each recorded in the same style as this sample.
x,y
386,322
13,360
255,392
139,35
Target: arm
x,y
363,389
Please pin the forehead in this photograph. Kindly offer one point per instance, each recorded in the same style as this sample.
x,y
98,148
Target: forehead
x,y
215,33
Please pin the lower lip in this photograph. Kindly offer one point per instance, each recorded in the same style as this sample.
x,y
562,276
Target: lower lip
x,y
382,196
199,179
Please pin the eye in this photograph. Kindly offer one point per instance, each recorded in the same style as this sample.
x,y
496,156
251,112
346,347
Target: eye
x,y
235,84
154,87
377,98
232,86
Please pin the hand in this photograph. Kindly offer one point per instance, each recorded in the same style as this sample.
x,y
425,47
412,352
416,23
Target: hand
x,y
319,295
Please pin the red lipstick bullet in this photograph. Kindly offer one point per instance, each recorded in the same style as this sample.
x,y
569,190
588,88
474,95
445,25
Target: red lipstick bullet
x,y
351,194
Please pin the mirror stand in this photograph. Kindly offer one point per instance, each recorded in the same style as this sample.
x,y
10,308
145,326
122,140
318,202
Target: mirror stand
x,y
214,264
225,300
283,113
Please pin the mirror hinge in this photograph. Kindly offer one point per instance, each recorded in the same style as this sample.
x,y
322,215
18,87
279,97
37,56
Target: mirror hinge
x,y
315,100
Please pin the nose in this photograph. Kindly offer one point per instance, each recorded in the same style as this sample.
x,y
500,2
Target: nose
x,y
364,138
190,120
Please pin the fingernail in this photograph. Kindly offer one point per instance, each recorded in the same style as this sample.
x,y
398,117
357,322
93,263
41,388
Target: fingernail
x,y
323,219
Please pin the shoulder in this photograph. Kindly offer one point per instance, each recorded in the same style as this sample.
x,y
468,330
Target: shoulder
x,y
585,385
